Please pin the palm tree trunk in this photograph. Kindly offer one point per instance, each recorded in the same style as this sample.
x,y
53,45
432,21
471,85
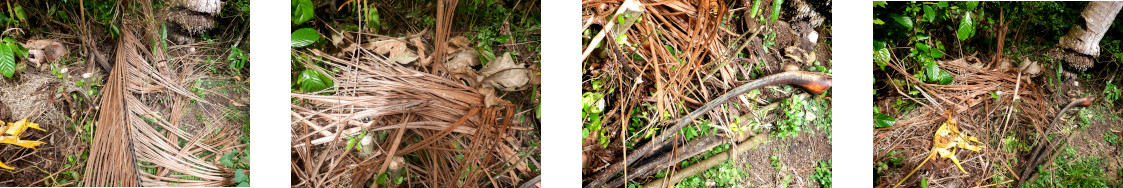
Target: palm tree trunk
x,y
1084,37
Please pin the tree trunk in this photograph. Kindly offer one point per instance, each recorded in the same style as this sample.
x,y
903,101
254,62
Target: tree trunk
x,y
1084,36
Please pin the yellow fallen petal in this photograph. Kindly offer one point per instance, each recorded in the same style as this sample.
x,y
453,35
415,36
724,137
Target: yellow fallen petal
x,y
2,165
956,161
21,143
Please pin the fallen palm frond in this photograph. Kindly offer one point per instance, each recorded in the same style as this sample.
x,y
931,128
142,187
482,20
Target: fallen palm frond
x,y
987,104
445,128
142,137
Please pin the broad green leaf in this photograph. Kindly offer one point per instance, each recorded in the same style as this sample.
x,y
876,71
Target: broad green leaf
x,y
922,36
903,20
882,121
880,4
923,48
970,5
878,21
881,55
944,78
942,4
966,27
931,68
929,14
936,54
228,159
756,9
302,11
240,176
312,81
776,9
373,20
18,10
304,36
7,61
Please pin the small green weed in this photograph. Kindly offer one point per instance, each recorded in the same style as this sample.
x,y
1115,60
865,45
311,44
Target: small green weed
x,y
823,174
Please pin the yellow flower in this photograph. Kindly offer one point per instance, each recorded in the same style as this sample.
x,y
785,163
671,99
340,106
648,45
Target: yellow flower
x,y
12,134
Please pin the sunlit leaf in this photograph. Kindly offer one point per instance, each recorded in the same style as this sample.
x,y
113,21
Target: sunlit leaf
x,y
880,4
776,9
302,11
882,121
931,68
903,20
944,78
929,14
373,19
966,27
312,81
7,61
881,54
970,5
304,37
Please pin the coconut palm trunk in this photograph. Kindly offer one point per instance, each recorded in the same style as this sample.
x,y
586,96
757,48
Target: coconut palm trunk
x,y
1080,46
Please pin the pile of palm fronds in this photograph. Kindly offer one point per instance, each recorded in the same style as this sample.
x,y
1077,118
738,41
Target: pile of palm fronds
x,y
675,57
152,130
988,103
441,129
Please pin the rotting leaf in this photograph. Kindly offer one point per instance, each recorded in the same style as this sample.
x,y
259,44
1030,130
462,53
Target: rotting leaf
x,y
463,61
458,42
393,47
503,73
405,57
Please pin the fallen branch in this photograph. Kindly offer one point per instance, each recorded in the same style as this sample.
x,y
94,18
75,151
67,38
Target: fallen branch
x,y
709,163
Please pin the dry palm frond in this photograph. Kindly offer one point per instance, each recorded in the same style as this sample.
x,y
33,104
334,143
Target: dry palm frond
x,y
460,140
111,160
990,105
140,143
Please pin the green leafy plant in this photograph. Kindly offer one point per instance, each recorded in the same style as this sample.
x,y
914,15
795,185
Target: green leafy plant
x,y
237,59
1111,92
304,37
9,49
313,81
881,120
302,11
823,174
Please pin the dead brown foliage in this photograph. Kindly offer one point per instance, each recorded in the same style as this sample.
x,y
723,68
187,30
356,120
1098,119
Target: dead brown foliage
x,y
1020,101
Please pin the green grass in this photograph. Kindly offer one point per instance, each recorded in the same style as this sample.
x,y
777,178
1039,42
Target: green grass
x,y
1073,170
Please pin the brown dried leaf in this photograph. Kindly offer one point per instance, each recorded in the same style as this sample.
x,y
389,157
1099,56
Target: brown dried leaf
x,y
504,74
423,60
458,42
405,57
393,47
463,61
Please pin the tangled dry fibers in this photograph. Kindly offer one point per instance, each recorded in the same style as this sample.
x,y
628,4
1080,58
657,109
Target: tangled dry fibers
x,y
969,98
143,137
457,138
